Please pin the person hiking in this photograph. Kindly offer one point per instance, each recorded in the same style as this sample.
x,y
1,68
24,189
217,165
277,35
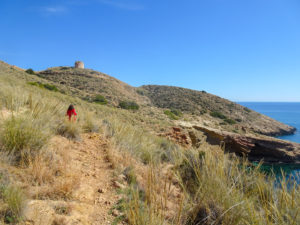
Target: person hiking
x,y
71,112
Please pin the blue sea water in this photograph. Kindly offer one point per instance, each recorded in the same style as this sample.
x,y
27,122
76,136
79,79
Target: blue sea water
x,y
285,112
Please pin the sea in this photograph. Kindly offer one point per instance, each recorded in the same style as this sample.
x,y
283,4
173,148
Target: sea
x,y
288,113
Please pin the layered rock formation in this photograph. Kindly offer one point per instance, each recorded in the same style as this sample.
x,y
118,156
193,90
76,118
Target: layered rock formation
x,y
256,148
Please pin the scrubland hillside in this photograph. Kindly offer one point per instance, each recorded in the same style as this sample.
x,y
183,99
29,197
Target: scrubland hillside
x,y
86,83
111,167
200,103
196,106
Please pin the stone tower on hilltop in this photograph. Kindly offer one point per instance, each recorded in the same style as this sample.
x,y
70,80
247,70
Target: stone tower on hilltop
x,y
79,64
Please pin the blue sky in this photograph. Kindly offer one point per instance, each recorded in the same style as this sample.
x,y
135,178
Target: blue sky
x,y
242,50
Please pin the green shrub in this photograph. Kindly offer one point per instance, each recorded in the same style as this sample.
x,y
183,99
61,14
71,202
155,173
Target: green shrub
x,y
100,100
23,137
46,86
30,71
50,87
218,115
141,92
203,111
36,84
129,105
230,121
247,109
176,112
173,114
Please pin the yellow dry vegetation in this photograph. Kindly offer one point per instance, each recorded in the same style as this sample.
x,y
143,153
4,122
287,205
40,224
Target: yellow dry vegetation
x,y
107,168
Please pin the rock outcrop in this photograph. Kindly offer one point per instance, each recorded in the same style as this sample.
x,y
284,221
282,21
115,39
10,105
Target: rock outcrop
x,y
177,135
256,148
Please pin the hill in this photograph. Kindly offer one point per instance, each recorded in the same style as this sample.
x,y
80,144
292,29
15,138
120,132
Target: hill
x,y
199,105
87,84
112,167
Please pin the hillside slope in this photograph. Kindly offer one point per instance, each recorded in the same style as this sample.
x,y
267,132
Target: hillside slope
x,y
200,102
197,106
106,168
86,83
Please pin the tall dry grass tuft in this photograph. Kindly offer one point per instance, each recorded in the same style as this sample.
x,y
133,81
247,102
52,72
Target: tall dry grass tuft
x,y
69,129
231,191
11,202
90,124
23,137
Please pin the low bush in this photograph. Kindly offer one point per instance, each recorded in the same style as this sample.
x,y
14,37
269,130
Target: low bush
x,y
173,114
176,112
35,84
247,109
230,121
129,105
99,99
30,71
23,137
218,115
46,86
141,92
50,87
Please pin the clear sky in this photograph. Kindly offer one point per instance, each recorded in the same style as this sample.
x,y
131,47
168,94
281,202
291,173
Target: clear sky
x,y
242,50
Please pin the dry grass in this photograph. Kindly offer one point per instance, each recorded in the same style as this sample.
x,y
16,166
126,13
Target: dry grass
x,y
215,189
11,203
69,129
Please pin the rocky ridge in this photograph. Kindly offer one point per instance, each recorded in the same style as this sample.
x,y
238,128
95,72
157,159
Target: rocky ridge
x,y
255,148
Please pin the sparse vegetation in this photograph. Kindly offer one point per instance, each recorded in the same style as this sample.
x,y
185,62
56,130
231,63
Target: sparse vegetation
x,y
247,109
30,71
230,121
50,87
100,100
218,115
23,137
129,105
173,114
46,86
166,184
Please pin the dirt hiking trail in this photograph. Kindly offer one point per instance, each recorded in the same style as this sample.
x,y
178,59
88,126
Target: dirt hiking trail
x,y
94,194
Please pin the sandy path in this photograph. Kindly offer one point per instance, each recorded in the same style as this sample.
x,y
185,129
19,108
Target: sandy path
x,y
90,157
95,195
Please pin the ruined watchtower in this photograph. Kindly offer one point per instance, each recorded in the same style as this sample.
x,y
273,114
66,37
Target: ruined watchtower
x,y
79,64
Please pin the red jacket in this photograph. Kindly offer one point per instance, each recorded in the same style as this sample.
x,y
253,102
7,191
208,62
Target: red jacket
x,y
71,112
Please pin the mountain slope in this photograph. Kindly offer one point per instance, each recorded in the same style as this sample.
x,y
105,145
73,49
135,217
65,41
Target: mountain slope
x,y
200,102
61,173
197,106
86,83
